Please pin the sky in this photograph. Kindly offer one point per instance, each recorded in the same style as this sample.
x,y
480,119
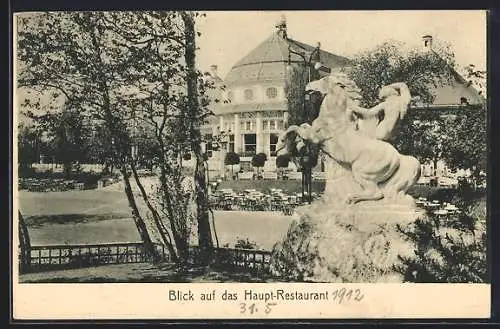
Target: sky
x,y
227,36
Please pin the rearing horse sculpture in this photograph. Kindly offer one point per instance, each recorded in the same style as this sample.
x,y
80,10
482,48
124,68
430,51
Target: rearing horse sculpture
x,y
376,166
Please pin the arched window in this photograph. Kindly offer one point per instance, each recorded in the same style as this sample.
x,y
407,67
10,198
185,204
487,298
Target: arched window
x,y
248,94
271,92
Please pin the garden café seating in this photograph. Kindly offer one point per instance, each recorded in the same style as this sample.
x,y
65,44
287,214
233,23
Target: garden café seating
x,y
253,200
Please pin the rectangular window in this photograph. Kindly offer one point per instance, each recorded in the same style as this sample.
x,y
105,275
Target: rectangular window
x,y
242,125
272,125
280,125
231,143
250,144
273,141
208,142
248,125
265,125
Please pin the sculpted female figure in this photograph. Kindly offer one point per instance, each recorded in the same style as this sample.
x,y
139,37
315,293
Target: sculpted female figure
x,y
387,114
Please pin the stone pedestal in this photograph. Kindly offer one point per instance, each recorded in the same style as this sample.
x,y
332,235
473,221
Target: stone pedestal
x,y
345,243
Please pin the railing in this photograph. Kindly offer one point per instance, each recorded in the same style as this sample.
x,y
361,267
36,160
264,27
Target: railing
x,y
60,257
85,255
251,260
247,259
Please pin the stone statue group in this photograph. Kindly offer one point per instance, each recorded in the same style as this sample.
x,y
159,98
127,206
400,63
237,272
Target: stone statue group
x,y
357,139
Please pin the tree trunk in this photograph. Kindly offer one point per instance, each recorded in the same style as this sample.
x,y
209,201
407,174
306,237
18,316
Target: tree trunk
x,y
105,170
68,169
180,241
121,150
204,231
435,164
303,183
25,245
167,241
149,247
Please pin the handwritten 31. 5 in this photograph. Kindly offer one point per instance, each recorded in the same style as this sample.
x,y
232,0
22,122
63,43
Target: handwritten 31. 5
x,y
253,309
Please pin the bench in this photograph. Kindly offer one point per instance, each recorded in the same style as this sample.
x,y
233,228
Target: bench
x,y
245,175
270,175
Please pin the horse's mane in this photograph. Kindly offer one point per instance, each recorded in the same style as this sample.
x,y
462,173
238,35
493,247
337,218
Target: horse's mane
x,y
333,118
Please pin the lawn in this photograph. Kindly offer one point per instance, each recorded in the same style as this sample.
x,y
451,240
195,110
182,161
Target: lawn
x,y
86,202
142,273
97,216
103,216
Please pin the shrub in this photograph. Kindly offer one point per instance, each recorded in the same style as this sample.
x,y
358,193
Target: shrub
x,y
282,161
245,244
451,250
48,181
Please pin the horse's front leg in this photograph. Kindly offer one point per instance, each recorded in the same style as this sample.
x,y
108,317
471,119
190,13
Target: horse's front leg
x,y
370,191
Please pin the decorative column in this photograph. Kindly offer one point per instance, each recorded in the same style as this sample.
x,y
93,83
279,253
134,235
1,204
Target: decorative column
x,y
237,135
258,132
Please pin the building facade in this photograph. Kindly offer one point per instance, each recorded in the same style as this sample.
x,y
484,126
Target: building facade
x,y
255,112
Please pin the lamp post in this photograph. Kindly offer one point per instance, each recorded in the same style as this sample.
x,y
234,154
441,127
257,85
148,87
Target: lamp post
x,y
306,158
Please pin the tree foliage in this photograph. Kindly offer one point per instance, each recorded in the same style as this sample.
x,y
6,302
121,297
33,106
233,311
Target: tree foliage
x,y
458,137
451,250
468,146
128,71
231,159
259,160
389,62
28,143
282,161
301,110
477,78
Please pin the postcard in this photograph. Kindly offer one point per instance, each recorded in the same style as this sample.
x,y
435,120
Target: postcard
x,y
250,165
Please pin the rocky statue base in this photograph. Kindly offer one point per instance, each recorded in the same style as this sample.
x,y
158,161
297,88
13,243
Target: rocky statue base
x,y
335,242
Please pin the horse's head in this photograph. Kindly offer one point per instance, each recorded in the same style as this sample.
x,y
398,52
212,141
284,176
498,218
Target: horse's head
x,y
337,85
332,81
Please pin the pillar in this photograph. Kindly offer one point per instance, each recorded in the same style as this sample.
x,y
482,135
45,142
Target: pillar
x,y
258,132
222,148
221,123
265,144
237,135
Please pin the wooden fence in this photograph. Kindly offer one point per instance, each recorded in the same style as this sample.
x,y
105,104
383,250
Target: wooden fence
x,y
84,255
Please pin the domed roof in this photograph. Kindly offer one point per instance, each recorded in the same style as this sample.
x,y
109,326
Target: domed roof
x,y
268,60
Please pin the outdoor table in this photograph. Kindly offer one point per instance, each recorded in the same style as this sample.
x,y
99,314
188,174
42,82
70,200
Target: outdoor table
x,y
451,209
441,214
433,205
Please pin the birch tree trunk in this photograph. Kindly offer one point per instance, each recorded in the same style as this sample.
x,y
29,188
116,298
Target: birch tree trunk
x,y
201,194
